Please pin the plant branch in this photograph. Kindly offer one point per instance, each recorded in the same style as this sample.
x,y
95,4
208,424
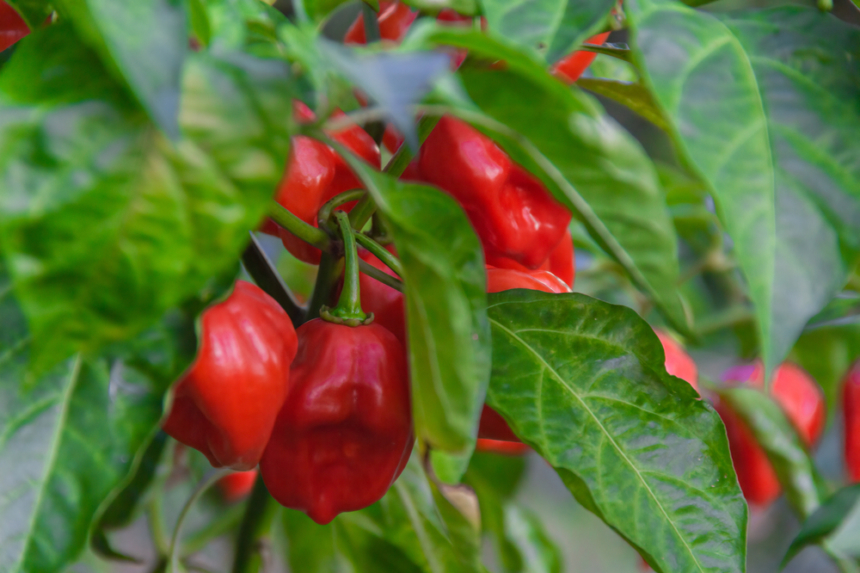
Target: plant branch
x,y
256,525
381,253
307,233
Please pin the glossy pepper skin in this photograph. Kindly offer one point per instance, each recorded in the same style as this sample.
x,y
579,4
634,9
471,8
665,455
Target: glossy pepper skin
x,y
345,431
851,419
678,362
513,214
803,403
394,19
226,404
492,429
12,26
571,67
237,485
314,175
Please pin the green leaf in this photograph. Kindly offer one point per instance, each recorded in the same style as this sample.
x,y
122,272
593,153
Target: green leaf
x,y
464,7
838,511
557,25
758,101
143,43
827,353
780,441
234,24
583,383
34,12
104,223
56,473
445,286
632,95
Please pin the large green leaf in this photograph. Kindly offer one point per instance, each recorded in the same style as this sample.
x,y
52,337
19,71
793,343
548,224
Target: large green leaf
x,y
556,25
583,383
762,104
105,223
587,160
783,446
445,286
70,437
143,43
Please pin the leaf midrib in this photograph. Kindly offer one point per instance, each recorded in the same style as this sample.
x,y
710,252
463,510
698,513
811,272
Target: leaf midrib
x,y
52,459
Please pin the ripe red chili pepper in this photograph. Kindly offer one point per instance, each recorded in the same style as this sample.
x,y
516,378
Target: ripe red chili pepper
x,y
12,26
315,174
571,67
678,362
803,403
394,20
851,419
561,261
237,485
512,212
344,433
226,404
492,429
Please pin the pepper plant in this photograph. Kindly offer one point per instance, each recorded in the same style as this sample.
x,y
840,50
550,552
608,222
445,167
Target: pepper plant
x,y
400,256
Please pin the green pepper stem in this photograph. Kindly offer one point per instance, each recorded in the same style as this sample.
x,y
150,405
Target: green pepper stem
x,y
307,233
326,210
381,253
348,310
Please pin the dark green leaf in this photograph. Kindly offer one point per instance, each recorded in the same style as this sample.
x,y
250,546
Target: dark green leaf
x,y
758,101
557,25
465,7
72,436
144,43
780,441
827,518
633,95
844,308
583,383
104,223
34,12
445,286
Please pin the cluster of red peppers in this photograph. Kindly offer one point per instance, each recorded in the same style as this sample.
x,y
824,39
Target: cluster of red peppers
x,y
324,410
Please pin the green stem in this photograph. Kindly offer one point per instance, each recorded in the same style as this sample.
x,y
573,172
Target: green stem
x,y
371,24
348,310
400,160
207,481
297,227
361,213
326,210
259,516
380,275
327,275
381,253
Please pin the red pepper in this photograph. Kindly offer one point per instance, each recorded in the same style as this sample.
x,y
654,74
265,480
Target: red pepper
x,y
678,362
803,403
12,26
561,261
345,431
851,418
492,428
225,406
237,485
512,212
394,20
315,174
571,67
